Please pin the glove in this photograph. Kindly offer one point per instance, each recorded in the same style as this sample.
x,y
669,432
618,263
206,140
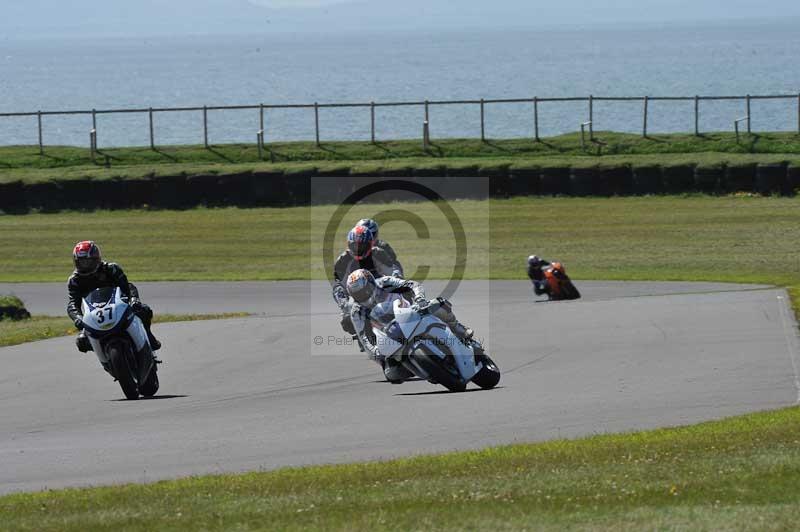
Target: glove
x,y
397,273
420,304
135,304
79,324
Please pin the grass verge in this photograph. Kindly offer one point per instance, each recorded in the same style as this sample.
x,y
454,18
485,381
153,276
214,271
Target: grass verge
x,y
44,327
24,163
736,474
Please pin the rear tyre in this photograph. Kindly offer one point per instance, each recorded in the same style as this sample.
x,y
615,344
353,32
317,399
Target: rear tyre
x,y
438,371
489,375
120,362
150,386
570,292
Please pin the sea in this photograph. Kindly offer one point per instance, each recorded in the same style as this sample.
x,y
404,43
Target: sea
x,y
140,72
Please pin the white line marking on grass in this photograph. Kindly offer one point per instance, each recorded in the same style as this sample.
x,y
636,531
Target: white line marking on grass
x,y
791,341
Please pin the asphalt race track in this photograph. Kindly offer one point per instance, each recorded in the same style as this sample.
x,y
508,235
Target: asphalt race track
x,y
255,393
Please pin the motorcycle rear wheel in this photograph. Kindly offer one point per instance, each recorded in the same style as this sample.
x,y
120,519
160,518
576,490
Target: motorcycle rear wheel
x,y
569,291
120,363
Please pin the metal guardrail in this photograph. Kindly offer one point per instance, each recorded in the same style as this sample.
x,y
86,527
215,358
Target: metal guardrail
x,y
425,104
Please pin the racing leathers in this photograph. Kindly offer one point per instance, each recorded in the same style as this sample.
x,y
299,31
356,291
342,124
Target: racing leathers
x,y
380,313
382,261
536,275
108,274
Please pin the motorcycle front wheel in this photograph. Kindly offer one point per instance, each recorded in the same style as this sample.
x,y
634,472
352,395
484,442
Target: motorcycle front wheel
x,y
489,375
118,354
150,386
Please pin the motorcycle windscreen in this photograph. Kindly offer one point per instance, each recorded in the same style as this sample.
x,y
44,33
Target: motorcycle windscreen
x,y
101,296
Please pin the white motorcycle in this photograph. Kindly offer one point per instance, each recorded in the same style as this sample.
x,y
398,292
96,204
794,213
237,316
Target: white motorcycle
x,y
425,346
120,342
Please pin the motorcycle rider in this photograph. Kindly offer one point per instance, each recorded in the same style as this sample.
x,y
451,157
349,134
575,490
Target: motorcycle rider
x,y
373,226
362,253
536,267
372,306
92,273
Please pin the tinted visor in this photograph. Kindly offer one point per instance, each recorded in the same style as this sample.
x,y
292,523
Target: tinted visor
x,y
363,293
86,265
360,249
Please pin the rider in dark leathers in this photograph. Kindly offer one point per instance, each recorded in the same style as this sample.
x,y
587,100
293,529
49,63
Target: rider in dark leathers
x,y
92,273
368,292
536,267
364,251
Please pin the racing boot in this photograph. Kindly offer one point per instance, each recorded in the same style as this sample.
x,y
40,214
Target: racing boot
x,y
445,313
155,345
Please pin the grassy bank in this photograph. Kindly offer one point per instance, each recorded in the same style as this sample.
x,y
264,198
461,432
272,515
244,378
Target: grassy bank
x,y
739,474
45,327
749,239
613,149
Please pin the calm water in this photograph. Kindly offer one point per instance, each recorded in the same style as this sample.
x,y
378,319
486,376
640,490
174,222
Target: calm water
x,y
57,75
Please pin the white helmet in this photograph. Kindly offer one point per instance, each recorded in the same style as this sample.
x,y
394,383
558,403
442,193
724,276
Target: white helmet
x,y
361,286
534,261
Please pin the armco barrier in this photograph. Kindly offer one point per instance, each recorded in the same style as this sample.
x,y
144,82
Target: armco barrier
x,y
554,181
678,178
620,179
709,179
770,178
647,180
582,181
740,178
524,182
792,180
263,189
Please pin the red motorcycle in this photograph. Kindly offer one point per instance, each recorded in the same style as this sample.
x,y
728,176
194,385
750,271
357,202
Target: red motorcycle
x,y
559,285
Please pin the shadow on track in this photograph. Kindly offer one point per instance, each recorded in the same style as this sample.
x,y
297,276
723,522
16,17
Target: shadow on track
x,y
154,398
447,392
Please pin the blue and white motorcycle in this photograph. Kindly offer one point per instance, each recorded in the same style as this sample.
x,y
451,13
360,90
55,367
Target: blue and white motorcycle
x,y
427,347
120,342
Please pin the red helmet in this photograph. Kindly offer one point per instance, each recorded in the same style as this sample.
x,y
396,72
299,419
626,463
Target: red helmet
x,y
86,257
360,242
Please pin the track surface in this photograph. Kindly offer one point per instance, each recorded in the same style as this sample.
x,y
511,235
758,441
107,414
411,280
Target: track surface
x,y
248,394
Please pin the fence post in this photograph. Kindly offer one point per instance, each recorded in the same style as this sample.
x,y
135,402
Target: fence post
x,y
94,126
316,120
41,143
536,118
152,132
261,123
697,116
749,131
260,143
591,117
205,126
483,121
372,120
93,143
644,127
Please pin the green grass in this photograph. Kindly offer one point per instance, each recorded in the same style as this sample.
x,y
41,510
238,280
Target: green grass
x,y
738,474
25,163
742,473
45,327
742,239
